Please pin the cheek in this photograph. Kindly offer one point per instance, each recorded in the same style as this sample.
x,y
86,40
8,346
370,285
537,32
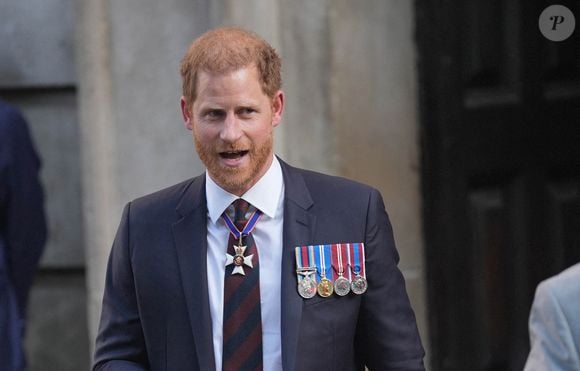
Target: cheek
x,y
205,133
262,132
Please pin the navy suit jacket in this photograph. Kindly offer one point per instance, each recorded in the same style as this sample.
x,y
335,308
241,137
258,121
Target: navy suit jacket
x,y
22,230
156,309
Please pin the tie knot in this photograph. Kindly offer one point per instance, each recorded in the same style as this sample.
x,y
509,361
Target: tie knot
x,y
241,211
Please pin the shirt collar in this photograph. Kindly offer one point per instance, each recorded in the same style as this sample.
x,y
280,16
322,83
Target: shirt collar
x,y
264,195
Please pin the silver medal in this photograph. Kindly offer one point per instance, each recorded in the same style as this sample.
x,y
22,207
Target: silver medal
x,y
359,285
341,286
307,284
239,260
307,287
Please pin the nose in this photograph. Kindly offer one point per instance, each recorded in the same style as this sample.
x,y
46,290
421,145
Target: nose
x,y
231,130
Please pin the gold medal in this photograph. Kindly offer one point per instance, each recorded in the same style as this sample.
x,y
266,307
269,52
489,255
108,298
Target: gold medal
x,y
325,287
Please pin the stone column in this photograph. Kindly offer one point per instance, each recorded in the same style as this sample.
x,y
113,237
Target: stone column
x,y
132,138
97,143
374,116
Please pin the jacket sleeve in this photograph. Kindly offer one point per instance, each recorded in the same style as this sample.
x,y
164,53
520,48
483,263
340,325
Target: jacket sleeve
x,y
552,342
387,336
120,343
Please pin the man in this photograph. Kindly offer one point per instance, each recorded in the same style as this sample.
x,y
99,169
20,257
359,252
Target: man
x,y
555,323
22,231
201,280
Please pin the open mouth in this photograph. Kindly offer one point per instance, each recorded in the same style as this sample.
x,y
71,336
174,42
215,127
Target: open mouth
x,y
232,155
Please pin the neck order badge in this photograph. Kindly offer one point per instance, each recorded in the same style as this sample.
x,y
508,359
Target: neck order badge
x,y
238,259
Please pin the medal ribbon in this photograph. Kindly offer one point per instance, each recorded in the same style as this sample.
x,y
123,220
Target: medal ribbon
x,y
358,259
327,259
312,260
321,254
348,270
335,260
301,260
304,261
297,251
338,263
363,271
250,225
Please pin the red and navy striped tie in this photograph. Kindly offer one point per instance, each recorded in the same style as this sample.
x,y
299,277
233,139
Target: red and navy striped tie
x,y
242,326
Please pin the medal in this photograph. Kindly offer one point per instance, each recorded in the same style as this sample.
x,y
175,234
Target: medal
x,y
307,284
238,259
306,272
332,268
325,287
358,284
341,284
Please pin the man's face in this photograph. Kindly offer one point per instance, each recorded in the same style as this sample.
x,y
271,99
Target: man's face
x,y
232,122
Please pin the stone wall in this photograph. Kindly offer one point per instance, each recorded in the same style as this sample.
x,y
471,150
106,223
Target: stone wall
x,y
38,75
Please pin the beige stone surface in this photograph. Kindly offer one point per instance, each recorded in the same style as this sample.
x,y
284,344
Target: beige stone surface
x,y
373,85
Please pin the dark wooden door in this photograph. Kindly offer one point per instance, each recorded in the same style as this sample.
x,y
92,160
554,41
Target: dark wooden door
x,y
500,127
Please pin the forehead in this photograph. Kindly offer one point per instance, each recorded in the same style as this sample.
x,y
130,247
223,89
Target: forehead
x,y
243,81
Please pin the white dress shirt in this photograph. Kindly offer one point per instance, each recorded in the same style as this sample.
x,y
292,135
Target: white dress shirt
x,y
267,195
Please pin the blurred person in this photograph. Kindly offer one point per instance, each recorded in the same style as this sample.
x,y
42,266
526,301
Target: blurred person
x,y
255,264
22,231
555,324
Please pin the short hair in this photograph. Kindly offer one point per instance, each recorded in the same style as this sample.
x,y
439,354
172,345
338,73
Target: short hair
x,y
227,49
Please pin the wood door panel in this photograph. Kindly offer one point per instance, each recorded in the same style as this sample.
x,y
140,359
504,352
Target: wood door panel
x,y
490,252
500,130
564,221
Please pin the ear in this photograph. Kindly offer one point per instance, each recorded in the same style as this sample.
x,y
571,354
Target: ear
x,y
186,113
277,107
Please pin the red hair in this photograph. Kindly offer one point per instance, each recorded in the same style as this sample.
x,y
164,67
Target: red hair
x,y
223,50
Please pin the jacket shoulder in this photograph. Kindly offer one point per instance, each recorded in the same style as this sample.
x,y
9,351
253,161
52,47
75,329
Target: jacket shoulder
x,y
332,185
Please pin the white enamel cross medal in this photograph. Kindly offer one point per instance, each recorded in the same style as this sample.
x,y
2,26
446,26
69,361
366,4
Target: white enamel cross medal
x,y
239,260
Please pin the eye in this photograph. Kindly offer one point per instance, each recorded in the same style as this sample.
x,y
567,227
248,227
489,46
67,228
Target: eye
x,y
246,111
213,114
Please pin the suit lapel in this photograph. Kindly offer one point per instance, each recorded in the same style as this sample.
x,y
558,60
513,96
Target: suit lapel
x,y
190,236
299,226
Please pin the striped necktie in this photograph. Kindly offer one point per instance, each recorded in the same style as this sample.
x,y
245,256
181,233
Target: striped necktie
x,y
242,321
